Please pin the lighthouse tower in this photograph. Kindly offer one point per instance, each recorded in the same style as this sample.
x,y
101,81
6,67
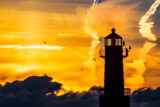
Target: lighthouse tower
x,y
115,95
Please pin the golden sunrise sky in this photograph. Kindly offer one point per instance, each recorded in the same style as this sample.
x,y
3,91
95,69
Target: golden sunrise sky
x,y
39,37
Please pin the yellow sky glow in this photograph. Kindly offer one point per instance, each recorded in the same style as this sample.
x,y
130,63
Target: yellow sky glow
x,y
64,42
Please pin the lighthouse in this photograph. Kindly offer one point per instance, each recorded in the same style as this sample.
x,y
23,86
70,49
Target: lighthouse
x,y
115,95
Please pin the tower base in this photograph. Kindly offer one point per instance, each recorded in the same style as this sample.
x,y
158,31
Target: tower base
x,y
114,101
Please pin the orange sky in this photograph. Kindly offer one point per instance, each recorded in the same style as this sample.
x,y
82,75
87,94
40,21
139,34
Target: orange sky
x,y
60,26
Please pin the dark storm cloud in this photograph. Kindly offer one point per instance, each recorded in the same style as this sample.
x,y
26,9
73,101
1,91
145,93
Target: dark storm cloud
x,y
146,97
32,93
31,84
100,1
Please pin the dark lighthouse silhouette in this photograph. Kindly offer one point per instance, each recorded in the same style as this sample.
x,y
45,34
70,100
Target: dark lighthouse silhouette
x,y
115,95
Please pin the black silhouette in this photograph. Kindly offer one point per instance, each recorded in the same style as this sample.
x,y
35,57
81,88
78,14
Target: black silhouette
x,y
81,69
45,42
114,93
94,59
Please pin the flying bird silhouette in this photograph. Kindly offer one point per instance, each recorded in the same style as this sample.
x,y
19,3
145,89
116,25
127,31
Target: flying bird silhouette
x,y
45,42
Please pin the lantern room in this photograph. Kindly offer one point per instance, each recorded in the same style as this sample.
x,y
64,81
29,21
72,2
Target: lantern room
x,y
113,39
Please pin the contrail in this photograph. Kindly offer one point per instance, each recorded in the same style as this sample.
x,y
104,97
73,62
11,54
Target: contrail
x,y
145,27
145,30
88,22
45,47
88,29
94,3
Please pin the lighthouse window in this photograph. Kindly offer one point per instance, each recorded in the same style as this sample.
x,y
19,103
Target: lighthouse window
x,y
113,42
118,42
107,42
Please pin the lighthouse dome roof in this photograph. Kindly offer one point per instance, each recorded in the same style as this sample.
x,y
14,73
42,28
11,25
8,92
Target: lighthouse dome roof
x,y
113,35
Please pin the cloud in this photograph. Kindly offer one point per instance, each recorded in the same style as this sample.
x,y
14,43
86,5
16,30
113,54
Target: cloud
x,y
146,97
33,91
123,16
31,84
40,91
100,1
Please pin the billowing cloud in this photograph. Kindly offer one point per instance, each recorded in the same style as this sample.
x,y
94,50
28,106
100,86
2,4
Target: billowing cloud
x,y
40,91
146,97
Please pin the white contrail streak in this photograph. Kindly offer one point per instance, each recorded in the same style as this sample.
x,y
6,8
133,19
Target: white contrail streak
x,y
145,27
94,3
88,29
45,47
146,32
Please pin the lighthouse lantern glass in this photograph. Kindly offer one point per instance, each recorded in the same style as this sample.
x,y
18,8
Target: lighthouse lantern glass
x,y
113,42
118,42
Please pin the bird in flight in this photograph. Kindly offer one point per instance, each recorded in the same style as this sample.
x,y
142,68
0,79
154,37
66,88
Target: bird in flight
x,y
45,42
